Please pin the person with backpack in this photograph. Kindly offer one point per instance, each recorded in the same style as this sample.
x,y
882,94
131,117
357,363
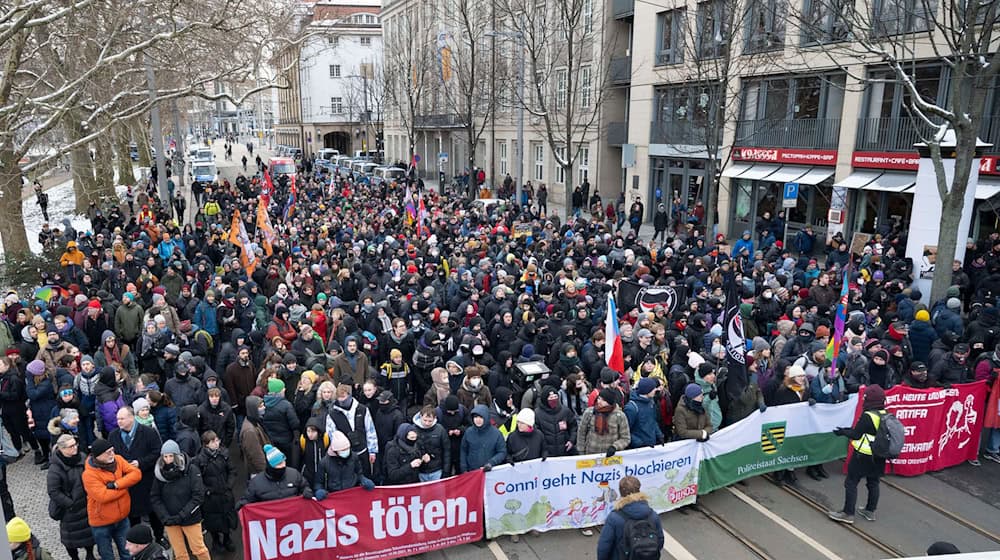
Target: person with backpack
x,y
870,437
632,531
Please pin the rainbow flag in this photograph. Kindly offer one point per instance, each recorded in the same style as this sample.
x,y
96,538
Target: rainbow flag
x,y
289,210
833,347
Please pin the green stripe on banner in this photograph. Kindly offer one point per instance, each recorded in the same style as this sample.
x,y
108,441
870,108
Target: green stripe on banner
x,y
751,460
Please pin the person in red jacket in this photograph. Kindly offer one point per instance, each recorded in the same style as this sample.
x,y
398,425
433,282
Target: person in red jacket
x,y
106,479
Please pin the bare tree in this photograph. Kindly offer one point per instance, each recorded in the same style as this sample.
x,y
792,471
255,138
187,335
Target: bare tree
x,y
566,74
407,71
896,35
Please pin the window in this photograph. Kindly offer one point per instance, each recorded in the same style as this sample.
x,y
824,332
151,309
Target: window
x,y
588,16
370,19
713,29
805,110
366,41
334,70
562,78
502,150
336,105
902,16
332,40
825,21
669,37
583,158
585,88
560,170
684,114
539,162
766,26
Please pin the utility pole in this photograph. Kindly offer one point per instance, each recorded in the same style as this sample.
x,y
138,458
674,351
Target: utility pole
x,y
520,117
161,168
179,152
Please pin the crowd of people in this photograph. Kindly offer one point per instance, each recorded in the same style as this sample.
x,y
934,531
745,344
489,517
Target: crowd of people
x,y
369,334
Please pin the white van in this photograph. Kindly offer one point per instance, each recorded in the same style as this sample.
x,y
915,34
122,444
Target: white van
x,y
388,175
204,154
204,172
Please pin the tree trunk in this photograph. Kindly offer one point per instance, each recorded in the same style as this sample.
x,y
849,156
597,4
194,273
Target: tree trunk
x,y
104,165
711,198
140,138
123,158
951,215
12,233
568,185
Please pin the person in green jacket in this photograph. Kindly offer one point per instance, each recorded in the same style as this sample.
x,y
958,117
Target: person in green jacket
x,y
128,320
705,378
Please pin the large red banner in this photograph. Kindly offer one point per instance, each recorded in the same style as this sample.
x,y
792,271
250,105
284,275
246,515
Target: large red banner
x,y
942,425
388,522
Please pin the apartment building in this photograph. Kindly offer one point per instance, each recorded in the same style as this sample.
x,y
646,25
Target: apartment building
x,y
440,123
787,113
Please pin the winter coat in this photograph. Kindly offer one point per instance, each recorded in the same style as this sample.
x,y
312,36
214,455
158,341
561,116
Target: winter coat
x,y
482,445
185,390
398,455
240,383
64,481
128,321
589,441
642,423
263,488
548,419
220,419
107,506
165,418
145,449
178,492
108,401
41,401
689,424
433,441
218,475
947,320
280,421
338,473
525,446
13,394
611,544
922,335
711,401
187,437
345,372
948,370
388,419
252,440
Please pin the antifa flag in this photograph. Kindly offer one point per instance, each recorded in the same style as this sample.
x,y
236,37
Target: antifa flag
x,y
736,344
646,298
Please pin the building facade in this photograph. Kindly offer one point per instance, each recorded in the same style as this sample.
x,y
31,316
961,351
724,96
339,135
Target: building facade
x,y
763,105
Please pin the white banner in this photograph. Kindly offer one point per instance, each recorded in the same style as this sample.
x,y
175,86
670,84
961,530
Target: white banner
x,y
576,492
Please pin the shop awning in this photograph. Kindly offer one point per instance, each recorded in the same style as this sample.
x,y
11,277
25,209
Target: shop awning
x,y
816,175
892,182
759,171
986,188
858,179
735,169
788,174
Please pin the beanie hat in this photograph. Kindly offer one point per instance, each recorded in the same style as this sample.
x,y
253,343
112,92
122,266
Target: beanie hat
x,y
275,385
273,455
609,376
692,390
526,416
139,534
170,447
954,303
451,403
796,371
922,315
100,447
85,359
36,367
395,353
953,291
69,414
760,344
874,396
646,385
822,331
139,404
339,442
94,304
609,395
172,349
18,530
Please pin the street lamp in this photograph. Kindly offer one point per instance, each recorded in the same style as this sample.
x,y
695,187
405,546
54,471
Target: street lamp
x,y
519,37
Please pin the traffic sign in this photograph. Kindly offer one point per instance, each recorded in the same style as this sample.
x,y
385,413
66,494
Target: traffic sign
x,y
791,195
443,157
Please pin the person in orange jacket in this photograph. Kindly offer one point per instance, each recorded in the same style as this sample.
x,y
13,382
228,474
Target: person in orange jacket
x,y
106,479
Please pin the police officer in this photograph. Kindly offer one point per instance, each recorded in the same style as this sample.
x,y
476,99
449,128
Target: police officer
x,y
863,463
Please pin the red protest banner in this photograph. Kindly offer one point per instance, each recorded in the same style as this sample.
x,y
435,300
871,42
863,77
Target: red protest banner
x,y
388,522
942,425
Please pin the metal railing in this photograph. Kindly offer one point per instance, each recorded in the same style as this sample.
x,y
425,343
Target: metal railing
x,y
683,132
621,70
438,121
622,8
890,134
789,133
617,133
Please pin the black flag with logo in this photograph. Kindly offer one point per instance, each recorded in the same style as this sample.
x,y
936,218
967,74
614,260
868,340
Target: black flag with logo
x,y
736,344
646,298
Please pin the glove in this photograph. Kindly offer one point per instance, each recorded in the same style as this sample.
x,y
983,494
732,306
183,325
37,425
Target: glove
x,y
611,451
487,467
946,385
320,494
367,484
544,456
838,431
827,389
510,460
713,394
111,486
812,401
762,407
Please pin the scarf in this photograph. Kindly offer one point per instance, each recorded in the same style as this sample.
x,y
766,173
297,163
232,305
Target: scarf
x,y
114,356
601,414
694,406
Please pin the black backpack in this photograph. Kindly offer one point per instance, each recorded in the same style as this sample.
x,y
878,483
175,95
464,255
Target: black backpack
x,y
641,540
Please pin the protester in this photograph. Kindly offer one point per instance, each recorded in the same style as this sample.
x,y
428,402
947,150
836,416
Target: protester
x,y
140,544
140,446
483,445
107,478
23,544
68,500
340,469
177,496
630,525
276,482
218,475
863,463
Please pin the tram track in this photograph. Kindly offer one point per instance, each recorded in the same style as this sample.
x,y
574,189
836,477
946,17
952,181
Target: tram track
x,y
733,532
942,510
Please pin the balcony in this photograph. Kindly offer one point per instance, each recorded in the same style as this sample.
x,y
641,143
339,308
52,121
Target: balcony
x,y
438,121
621,70
622,9
990,132
789,133
617,133
890,134
683,132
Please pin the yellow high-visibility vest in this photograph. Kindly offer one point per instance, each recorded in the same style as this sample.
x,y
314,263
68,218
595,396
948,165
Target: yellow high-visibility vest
x,y
863,445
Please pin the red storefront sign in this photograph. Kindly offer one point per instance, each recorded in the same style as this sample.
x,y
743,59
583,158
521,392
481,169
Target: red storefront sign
x,y
786,155
388,522
911,161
